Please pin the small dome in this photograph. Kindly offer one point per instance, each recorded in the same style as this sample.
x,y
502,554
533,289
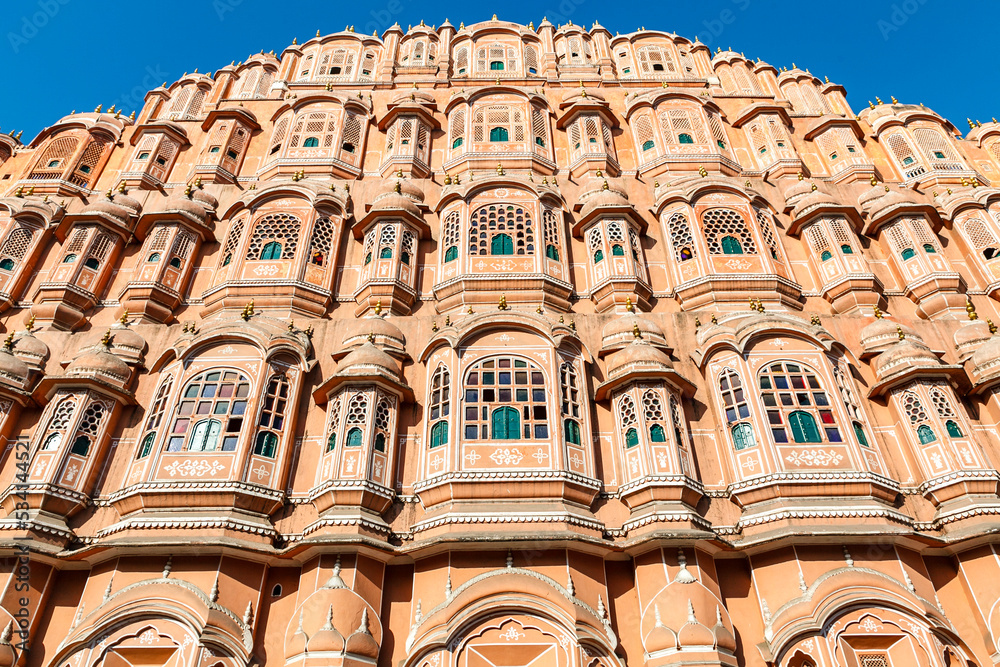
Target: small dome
x,y
795,190
619,332
385,333
30,349
183,204
127,343
394,202
297,644
411,95
871,194
987,357
724,638
205,198
695,634
883,334
109,208
361,642
99,363
970,336
906,353
366,359
327,638
638,356
13,371
601,196
888,200
660,637
812,200
406,187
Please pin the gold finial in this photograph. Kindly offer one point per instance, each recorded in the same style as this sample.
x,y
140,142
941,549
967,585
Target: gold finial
x,y
702,171
972,125
502,305
500,171
800,176
715,320
814,320
561,319
747,185
894,100
629,308
539,309
827,79
447,320
434,326
635,331
970,309
8,343
378,307
878,100
309,332
317,33
124,318
291,325
295,41
470,310
247,311
605,186
106,339
870,105
494,17
371,337
873,181
572,325
877,312
899,332
98,109
30,323
814,187
697,323
398,187
447,179
993,327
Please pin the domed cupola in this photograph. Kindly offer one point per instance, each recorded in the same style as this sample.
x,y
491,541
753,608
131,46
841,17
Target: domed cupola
x,y
14,373
972,334
101,365
908,359
382,332
619,332
794,191
361,642
327,639
986,362
882,334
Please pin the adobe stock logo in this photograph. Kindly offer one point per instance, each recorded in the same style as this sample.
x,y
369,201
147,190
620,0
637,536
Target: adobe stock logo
x,y
898,17
31,24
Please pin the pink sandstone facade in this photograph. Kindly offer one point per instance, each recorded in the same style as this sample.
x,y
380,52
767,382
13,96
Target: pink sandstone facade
x,y
500,345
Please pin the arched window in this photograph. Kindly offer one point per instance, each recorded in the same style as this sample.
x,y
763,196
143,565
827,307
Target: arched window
x,y
505,382
333,426
928,248
826,255
572,431
684,138
385,253
511,222
155,257
81,446
451,254
354,437
272,416
598,256
657,434
310,142
275,228
223,394
617,250
733,397
499,134
953,430
570,403
926,435
794,398
647,145
631,438
907,254
155,417
720,224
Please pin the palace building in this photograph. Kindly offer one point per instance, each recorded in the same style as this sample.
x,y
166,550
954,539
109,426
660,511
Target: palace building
x,y
500,346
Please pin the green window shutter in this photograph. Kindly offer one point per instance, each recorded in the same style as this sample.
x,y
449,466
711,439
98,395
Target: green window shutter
x,y
439,434
81,446
598,256
572,432
826,255
266,443
859,432
331,442
354,437
685,139
271,251
147,445
506,424
631,438
730,246
908,253
451,254
380,442
804,427
502,244
551,252
743,437
953,430
617,250
926,435
385,253
499,134
657,434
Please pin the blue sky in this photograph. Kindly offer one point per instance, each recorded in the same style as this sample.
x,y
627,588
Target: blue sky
x,y
60,55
